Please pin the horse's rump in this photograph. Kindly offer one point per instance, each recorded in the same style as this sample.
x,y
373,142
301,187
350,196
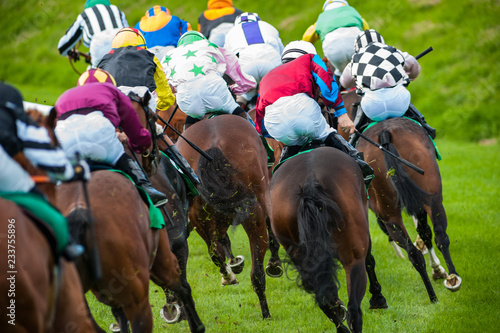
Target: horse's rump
x,y
222,187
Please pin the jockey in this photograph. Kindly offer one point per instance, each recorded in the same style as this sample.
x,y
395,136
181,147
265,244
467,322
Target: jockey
x,y
288,109
337,26
196,68
216,21
96,27
381,74
132,65
257,45
161,30
88,116
18,133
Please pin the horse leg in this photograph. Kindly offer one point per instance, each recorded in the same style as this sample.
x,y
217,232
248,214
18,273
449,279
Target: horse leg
x,y
274,267
166,273
377,301
257,235
140,314
237,263
121,318
356,288
425,231
419,242
440,223
399,234
395,246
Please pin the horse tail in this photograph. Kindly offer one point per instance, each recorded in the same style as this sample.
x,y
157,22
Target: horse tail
x,y
410,196
316,260
221,187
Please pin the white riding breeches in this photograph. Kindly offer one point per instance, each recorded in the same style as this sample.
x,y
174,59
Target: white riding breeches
x,y
100,45
91,135
386,103
257,60
293,120
13,178
218,34
338,47
204,94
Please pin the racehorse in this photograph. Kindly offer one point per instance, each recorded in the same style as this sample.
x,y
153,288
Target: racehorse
x,y
233,191
131,251
42,291
319,215
397,187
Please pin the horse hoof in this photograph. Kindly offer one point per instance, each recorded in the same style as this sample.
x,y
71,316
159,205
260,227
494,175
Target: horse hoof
x,y
229,279
453,282
439,273
237,264
378,303
171,313
114,327
274,270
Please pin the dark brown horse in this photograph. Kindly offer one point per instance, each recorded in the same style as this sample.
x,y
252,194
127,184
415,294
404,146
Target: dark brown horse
x,y
319,215
131,251
397,187
42,291
233,191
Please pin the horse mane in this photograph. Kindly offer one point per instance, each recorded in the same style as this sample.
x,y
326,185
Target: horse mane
x,y
410,196
220,187
318,214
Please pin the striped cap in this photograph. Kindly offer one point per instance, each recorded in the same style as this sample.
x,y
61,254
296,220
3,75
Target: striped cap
x,y
95,75
295,49
367,37
247,17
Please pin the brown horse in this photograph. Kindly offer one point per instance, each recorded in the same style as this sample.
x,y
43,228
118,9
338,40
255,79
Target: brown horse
x,y
42,290
319,215
397,187
233,191
131,251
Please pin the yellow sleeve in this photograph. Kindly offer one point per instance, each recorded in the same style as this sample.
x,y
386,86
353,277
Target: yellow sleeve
x,y
165,96
310,35
365,25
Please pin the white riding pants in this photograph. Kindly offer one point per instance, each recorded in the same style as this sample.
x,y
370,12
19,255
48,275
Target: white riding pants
x,y
338,47
13,178
92,135
293,120
386,103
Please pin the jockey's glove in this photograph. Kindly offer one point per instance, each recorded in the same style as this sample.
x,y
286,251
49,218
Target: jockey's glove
x,y
82,171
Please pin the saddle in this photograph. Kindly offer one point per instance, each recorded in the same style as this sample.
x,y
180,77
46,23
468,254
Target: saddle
x,y
290,151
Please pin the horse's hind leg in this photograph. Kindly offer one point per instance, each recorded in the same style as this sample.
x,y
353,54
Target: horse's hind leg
x,y
356,287
399,234
440,223
140,315
274,267
121,318
166,273
395,246
257,235
377,301
425,232
237,264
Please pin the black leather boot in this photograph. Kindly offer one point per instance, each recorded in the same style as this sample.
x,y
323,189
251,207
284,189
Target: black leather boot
x,y
360,122
131,168
175,155
289,151
414,114
190,121
336,141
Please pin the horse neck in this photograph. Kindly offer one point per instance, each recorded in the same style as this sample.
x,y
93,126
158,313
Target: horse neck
x,y
146,161
39,176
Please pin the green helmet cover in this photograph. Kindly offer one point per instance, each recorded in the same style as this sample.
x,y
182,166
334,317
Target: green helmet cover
x,y
190,37
91,3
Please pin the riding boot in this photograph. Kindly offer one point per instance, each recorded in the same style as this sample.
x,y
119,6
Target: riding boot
x,y
289,151
336,141
242,113
414,114
174,154
190,121
270,152
131,168
360,121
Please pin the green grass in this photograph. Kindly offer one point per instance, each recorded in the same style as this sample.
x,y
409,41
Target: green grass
x,y
456,90
470,179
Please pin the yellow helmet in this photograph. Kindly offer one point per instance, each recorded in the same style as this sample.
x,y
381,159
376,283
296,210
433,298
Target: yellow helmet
x,y
128,37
